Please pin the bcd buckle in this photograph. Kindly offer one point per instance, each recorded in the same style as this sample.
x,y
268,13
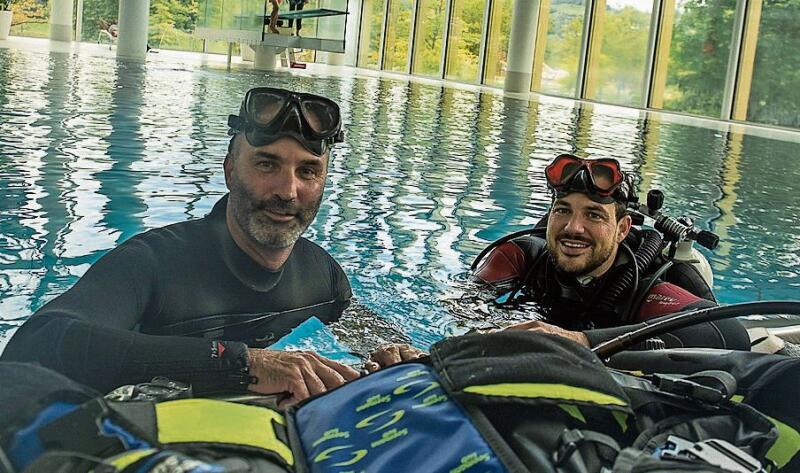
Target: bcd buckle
x,y
570,441
714,452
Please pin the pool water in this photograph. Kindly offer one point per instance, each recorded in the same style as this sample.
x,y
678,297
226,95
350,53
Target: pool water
x,y
93,151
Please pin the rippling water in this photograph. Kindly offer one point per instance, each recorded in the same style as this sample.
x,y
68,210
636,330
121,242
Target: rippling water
x,y
93,151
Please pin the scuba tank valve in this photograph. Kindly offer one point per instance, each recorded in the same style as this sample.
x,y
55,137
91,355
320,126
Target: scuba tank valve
x,y
680,232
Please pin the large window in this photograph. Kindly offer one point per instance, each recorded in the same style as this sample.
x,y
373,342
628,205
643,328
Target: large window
x,y
557,72
464,44
428,42
497,50
369,50
775,90
698,55
171,27
617,69
30,19
398,32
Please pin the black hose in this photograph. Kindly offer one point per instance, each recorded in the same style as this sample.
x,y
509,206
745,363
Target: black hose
x,y
651,246
687,319
500,241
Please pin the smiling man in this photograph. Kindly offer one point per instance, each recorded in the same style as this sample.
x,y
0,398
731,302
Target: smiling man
x,y
200,301
575,274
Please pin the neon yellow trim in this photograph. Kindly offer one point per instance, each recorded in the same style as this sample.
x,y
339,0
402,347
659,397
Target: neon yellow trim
x,y
573,411
124,460
622,420
208,420
787,445
547,391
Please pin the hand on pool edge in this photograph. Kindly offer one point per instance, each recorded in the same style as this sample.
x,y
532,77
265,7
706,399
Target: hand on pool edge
x,y
389,355
298,374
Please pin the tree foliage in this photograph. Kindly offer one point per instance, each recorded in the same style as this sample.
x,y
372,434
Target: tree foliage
x,y
775,93
27,11
698,60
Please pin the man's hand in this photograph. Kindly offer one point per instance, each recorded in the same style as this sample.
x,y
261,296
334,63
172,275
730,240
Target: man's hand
x,y
542,327
299,374
392,354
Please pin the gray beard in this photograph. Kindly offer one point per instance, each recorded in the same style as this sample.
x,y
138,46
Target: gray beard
x,y
269,234
247,210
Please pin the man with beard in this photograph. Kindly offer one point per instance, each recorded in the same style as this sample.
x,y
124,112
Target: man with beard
x,y
588,244
566,270
199,301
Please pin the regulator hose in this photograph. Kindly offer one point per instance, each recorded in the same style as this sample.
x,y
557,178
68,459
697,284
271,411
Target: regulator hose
x,y
528,231
651,246
694,317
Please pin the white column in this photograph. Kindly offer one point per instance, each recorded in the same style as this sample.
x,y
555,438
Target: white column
x,y
61,20
351,38
79,21
133,22
524,22
265,57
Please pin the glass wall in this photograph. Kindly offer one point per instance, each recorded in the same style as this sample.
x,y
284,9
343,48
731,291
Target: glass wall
x,y
558,71
690,71
698,55
30,19
171,28
775,90
369,45
464,43
497,46
617,74
398,35
428,41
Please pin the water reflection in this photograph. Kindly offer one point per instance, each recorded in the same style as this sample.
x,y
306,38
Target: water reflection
x,y
94,151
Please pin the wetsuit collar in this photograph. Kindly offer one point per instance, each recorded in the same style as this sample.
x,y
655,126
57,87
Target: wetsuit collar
x,y
246,270
585,288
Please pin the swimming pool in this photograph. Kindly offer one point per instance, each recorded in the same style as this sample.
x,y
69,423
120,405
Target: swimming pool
x,y
93,151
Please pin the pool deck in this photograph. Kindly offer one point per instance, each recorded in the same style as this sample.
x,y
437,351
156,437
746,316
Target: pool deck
x,y
220,61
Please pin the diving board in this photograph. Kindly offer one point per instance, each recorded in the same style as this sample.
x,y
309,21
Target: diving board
x,y
303,14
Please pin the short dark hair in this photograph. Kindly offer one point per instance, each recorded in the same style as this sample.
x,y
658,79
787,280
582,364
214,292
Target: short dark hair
x,y
232,147
620,208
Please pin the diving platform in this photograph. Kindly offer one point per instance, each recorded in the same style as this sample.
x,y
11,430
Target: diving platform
x,y
247,22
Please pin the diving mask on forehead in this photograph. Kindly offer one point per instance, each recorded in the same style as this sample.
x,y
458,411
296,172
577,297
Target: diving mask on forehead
x,y
268,114
602,180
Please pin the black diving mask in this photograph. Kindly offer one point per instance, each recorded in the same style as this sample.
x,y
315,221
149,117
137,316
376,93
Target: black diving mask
x,y
268,114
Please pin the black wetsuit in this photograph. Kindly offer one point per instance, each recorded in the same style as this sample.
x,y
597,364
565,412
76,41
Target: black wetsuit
x,y
157,304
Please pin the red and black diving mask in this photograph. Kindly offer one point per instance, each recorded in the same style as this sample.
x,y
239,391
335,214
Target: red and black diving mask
x,y
602,180
268,114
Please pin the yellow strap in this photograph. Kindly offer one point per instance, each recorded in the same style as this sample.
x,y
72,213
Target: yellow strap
x,y
547,391
124,460
212,421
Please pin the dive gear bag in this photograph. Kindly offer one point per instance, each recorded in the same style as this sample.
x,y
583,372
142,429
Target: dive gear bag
x,y
508,401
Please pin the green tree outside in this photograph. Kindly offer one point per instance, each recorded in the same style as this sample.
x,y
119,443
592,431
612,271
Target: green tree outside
x,y
698,58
